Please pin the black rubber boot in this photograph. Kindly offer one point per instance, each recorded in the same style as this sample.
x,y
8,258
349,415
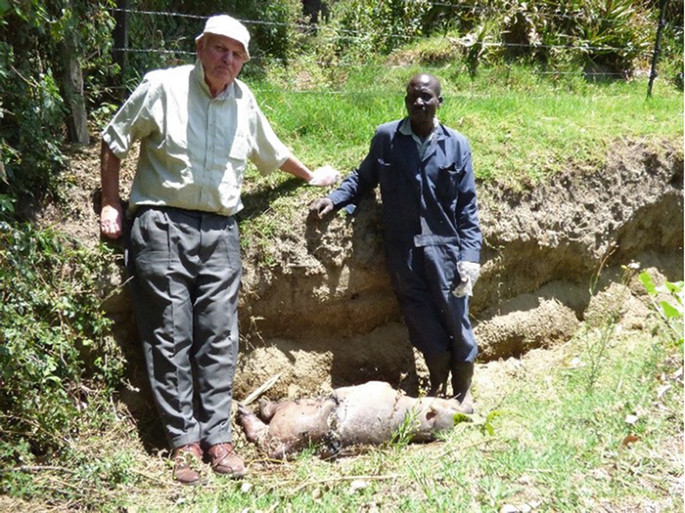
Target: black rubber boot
x,y
439,370
462,376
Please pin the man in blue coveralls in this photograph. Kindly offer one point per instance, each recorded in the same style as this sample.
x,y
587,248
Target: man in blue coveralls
x,y
432,234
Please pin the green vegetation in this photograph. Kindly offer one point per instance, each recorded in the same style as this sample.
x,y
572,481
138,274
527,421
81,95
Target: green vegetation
x,y
34,37
58,366
522,125
667,302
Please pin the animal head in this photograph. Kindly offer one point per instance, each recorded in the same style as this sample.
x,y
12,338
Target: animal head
x,y
440,413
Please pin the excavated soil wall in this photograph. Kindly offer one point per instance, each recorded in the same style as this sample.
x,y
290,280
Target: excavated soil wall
x,y
322,313
326,315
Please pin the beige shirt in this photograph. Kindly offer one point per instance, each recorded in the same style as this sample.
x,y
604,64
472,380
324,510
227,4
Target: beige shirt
x,y
194,147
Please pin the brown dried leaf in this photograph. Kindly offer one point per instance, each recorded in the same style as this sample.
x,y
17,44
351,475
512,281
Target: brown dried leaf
x,y
630,439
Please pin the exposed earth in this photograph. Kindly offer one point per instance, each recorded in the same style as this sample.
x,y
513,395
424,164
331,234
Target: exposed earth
x,y
317,308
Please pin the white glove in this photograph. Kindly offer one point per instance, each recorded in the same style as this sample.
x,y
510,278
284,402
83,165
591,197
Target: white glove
x,y
324,176
469,273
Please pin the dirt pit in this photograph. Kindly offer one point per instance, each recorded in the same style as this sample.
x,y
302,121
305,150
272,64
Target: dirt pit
x,y
322,314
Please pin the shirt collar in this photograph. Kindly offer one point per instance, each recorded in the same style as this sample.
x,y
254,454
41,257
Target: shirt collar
x,y
199,72
405,127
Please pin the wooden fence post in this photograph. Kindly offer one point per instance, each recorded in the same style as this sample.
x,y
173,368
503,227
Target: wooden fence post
x,y
72,86
120,36
657,46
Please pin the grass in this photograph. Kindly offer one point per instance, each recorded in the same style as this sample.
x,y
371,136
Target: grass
x,y
559,441
522,126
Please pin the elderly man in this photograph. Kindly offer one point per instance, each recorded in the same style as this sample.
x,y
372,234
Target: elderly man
x,y
197,125
432,233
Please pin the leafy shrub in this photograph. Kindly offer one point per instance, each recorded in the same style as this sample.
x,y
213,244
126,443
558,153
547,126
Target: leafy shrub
x,y
172,28
278,34
363,28
31,128
599,36
32,110
56,362
616,33
670,63
667,302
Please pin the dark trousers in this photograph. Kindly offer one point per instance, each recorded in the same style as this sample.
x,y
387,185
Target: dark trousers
x,y
185,269
423,279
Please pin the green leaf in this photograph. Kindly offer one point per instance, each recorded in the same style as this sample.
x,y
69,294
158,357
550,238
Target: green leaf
x,y
671,311
647,282
487,424
493,415
461,417
674,288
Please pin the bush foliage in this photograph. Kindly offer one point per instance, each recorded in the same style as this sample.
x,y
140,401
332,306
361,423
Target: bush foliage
x,y
32,107
57,363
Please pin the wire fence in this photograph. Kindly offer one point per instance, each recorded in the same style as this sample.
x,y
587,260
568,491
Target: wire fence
x,y
359,35
270,58
314,26
464,43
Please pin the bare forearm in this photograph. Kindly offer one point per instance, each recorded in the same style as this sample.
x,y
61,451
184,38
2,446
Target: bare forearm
x,y
111,215
296,168
320,177
110,166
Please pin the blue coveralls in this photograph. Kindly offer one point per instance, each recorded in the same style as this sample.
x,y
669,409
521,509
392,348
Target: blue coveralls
x,y
431,222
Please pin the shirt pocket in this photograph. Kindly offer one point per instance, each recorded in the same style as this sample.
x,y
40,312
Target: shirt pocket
x,y
447,181
237,160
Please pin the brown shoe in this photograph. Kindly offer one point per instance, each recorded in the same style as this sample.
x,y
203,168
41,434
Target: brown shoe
x,y
224,460
187,460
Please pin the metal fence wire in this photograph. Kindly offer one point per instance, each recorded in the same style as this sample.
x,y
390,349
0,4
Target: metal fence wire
x,y
122,48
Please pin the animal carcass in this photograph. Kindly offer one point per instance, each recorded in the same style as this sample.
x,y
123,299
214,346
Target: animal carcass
x,y
363,414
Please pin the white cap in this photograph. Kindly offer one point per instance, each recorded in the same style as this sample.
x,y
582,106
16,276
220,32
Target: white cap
x,y
224,25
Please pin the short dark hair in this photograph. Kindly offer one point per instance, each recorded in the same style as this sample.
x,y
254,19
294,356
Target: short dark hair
x,y
432,79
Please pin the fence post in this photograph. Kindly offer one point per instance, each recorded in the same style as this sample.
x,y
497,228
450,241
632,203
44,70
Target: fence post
x,y
657,47
71,79
120,36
